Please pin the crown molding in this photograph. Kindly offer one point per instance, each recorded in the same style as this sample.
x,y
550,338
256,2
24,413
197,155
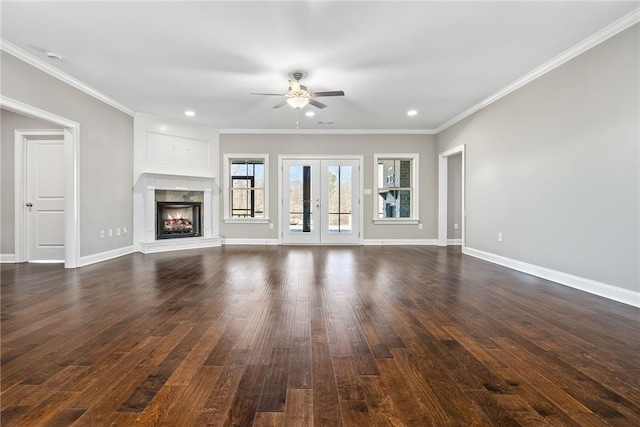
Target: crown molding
x,y
43,66
329,131
590,42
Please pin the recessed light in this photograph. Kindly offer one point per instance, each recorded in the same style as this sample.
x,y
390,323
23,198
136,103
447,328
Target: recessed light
x,y
189,113
412,112
309,114
163,128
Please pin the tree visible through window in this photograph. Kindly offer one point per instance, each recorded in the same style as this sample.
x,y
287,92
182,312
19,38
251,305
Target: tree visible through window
x,y
247,188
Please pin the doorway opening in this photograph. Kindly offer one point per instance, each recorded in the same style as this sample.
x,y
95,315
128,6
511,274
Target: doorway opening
x,y
71,186
443,196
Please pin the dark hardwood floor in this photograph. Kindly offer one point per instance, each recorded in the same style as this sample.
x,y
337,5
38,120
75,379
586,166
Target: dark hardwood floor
x,y
311,336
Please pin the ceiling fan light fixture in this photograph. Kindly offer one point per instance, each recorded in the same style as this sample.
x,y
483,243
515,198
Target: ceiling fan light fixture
x,y
297,103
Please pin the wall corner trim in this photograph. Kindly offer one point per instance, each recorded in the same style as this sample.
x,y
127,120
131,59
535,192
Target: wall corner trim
x,y
604,290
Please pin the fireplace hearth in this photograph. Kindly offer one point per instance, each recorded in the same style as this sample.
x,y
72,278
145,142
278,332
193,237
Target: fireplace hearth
x,y
178,219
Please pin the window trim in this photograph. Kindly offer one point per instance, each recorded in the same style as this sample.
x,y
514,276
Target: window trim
x,y
226,167
415,203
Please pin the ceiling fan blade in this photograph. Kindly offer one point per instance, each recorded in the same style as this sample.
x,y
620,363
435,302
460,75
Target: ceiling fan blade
x,y
269,94
329,93
281,104
294,85
316,103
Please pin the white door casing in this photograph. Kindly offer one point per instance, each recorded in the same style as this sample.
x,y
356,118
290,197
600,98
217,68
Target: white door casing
x,y
71,135
45,200
443,178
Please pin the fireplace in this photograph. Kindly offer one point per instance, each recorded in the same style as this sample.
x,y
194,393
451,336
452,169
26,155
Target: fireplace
x,y
177,219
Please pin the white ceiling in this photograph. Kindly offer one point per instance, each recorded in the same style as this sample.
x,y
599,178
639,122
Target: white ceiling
x,y
440,58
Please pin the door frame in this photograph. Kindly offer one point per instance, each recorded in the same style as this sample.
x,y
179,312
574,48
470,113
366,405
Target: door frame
x,y
71,135
443,196
359,190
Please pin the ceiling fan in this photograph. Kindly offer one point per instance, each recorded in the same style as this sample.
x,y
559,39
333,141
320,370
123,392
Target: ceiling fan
x,y
299,96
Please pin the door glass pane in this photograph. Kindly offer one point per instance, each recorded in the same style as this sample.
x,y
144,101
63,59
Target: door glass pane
x,y
339,199
300,199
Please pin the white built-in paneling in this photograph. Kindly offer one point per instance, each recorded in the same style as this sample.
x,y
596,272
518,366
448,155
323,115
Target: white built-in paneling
x,y
177,150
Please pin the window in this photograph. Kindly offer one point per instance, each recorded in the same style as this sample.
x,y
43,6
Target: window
x,y
246,197
396,191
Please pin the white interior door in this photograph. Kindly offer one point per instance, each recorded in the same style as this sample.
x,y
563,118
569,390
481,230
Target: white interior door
x,y
321,203
45,200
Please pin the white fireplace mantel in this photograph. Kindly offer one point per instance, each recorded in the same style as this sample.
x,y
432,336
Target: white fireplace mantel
x,y
145,212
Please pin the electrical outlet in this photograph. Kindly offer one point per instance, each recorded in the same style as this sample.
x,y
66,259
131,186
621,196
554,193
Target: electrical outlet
x,y
101,233
420,226
500,237
111,232
118,231
271,225
455,226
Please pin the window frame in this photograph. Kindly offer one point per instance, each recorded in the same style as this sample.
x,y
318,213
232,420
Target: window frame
x,y
415,190
245,157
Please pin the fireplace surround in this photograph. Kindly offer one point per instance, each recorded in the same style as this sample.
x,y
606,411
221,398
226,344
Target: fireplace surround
x,y
151,190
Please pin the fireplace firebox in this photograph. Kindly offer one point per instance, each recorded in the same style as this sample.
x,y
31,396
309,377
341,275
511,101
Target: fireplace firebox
x,y
177,219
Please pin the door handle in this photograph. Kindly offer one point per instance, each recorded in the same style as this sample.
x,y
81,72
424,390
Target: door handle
x,y
29,205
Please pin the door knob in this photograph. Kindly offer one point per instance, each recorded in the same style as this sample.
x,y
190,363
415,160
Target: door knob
x,y
29,205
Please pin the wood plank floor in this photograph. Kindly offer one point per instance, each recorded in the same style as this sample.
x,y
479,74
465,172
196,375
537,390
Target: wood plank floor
x,y
311,336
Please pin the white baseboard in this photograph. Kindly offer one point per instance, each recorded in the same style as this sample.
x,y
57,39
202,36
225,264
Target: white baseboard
x,y
454,242
104,256
614,293
7,258
400,242
233,241
167,245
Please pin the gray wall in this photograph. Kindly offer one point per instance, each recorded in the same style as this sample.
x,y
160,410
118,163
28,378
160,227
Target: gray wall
x,y
365,145
9,122
555,167
454,197
106,151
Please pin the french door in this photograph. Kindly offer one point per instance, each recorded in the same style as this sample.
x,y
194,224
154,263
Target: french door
x,y
321,201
